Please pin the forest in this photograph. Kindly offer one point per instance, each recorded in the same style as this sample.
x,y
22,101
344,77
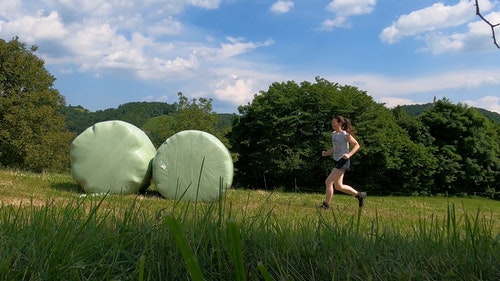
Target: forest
x,y
275,140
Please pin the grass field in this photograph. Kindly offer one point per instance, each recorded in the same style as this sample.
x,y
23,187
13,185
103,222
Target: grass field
x,y
50,230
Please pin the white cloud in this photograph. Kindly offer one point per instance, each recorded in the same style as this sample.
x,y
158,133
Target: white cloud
x,y
9,7
236,47
35,28
429,19
207,4
396,87
331,24
237,83
281,7
239,87
391,102
438,42
347,8
446,29
167,26
490,103
234,89
149,41
394,90
343,9
127,41
477,38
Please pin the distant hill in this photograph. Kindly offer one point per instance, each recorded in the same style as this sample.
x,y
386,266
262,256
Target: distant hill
x,y
489,114
78,118
417,109
137,113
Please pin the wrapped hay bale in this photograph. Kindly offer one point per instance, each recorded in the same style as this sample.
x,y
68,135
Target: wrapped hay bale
x,y
193,165
112,156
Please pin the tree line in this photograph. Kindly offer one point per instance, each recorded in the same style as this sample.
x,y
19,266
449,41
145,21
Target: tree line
x,y
446,148
276,140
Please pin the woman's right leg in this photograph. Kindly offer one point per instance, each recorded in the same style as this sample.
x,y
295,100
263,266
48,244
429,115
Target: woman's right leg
x,y
329,184
329,189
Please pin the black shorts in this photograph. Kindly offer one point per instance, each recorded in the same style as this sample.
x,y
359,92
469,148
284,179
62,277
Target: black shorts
x,y
342,164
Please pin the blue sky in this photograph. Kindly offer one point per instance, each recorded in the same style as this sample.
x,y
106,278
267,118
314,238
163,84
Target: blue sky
x,y
105,53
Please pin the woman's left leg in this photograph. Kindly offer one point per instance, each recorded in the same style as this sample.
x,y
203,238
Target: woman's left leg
x,y
340,186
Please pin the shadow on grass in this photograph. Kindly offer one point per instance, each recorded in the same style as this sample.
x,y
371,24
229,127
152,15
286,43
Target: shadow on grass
x,y
68,186
76,188
151,193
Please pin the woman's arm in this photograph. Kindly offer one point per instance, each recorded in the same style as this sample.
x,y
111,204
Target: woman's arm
x,y
355,146
328,152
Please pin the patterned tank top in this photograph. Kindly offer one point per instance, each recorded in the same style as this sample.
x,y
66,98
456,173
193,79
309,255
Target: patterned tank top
x,y
340,144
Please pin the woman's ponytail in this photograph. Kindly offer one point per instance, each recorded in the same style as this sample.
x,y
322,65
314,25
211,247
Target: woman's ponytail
x,y
346,124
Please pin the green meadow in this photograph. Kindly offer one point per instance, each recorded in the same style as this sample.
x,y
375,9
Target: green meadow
x,y
51,230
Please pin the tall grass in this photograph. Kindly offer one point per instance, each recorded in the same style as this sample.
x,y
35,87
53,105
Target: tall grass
x,y
247,235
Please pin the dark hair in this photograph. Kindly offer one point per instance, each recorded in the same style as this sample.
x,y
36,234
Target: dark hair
x,y
346,124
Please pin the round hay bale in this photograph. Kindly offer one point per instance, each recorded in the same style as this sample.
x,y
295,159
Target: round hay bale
x,y
193,165
112,156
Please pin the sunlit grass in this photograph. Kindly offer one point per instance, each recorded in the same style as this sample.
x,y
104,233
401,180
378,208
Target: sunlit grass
x,y
51,230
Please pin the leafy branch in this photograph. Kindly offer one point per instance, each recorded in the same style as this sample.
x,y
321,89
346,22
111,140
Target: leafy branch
x,y
490,24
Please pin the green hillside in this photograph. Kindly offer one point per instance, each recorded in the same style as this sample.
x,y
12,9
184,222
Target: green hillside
x,y
137,113
417,109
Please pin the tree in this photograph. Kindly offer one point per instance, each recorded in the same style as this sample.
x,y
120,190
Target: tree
x,y
159,128
467,148
419,162
416,130
196,114
280,135
33,135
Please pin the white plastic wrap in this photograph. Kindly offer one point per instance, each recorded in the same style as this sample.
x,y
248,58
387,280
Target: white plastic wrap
x,y
193,165
112,156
